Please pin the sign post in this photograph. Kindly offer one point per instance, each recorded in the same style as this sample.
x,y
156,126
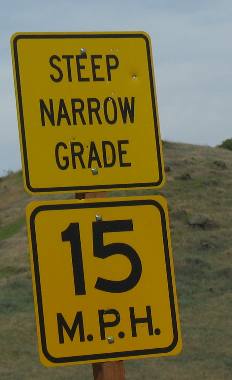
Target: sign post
x,y
102,268
109,371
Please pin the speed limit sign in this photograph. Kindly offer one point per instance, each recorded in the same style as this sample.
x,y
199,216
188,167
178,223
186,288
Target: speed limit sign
x,y
103,279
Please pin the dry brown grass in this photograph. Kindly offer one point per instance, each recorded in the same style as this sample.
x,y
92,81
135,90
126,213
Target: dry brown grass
x,y
198,190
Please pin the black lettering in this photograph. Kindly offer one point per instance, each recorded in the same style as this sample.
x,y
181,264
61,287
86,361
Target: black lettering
x,y
127,109
109,156
112,63
135,321
81,67
62,325
49,112
72,235
103,251
93,155
121,153
57,156
96,67
93,108
78,110
57,68
68,62
63,113
103,324
78,154
112,102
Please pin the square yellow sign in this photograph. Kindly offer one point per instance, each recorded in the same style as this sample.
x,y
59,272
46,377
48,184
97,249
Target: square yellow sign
x,y
87,111
103,280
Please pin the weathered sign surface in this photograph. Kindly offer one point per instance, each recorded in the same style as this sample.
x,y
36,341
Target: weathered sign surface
x,y
87,111
103,278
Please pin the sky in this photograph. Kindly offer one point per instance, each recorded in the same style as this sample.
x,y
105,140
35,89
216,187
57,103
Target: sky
x,y
191,42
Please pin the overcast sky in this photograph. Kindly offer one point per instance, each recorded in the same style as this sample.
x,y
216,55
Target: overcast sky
x,y
191,42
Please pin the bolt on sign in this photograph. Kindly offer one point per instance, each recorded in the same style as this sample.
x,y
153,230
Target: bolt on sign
x,y
87,111
107,297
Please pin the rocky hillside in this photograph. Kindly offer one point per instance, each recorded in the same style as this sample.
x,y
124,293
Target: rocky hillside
x,y
198,189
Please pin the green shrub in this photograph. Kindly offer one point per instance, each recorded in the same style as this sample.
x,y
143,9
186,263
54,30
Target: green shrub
x,y
226,144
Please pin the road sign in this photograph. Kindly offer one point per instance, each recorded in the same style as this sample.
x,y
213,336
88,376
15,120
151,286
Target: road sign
x,y
107,297
87,111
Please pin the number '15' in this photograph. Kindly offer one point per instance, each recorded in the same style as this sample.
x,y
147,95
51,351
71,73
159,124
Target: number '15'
x,y
72,235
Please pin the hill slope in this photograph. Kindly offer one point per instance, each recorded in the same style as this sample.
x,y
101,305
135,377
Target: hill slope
x,y
198,189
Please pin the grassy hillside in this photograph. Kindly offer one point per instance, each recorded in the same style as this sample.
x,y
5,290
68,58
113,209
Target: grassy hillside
x,y
198,189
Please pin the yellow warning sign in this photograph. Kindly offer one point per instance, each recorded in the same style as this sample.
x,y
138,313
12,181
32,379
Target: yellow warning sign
x,y
103,277
87,111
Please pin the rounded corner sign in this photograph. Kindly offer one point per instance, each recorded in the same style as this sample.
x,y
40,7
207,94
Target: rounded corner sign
x,y
111,296
87,111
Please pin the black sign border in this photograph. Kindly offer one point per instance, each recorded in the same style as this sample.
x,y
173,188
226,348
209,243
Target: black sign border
x,y
123,354
21,115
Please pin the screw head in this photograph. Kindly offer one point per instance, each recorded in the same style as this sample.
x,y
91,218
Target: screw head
x,y
83,51
94,171
110,339
98,218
